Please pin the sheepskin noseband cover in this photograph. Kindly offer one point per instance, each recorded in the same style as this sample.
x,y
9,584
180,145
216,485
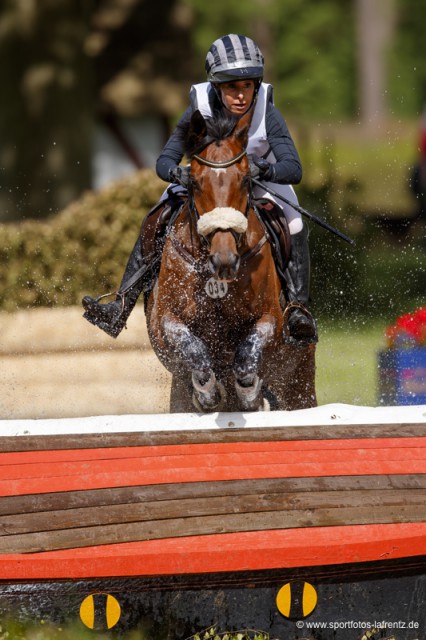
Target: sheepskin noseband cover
x,y
222,218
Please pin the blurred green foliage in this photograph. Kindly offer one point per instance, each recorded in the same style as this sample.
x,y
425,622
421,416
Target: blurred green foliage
x,y
83,249
407,77
382,276
13,629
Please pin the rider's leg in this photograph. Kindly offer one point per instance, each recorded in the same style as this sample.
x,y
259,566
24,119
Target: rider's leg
x,y
300,323
112,317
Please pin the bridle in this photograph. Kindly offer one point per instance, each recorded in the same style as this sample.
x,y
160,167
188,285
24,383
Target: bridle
x,y
224,164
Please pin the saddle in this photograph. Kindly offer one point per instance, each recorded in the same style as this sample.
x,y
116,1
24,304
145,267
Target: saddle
x,y
276,229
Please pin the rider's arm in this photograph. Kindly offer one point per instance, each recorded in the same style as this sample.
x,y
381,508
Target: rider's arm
x,y
173,151
288,168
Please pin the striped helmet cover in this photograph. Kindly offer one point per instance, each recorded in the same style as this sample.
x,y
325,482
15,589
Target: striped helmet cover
x,y
234,57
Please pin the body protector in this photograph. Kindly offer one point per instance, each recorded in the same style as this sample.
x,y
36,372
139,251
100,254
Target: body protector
x,y
258,144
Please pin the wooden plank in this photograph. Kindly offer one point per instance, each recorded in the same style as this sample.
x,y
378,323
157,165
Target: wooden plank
x,y
249,434
256,550
188,460
102,453
207,525
191,507
108,477
33,503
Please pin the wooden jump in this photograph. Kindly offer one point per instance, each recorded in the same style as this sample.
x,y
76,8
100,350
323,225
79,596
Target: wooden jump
x,y
190,501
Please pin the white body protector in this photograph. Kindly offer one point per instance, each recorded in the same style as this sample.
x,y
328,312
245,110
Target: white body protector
x,y
257,144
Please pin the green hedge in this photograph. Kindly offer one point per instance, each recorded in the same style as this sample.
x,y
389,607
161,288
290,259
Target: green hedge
x,y
81,250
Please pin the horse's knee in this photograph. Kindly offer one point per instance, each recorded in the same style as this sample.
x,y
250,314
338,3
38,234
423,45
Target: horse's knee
x,y
249,353
190,349
247,358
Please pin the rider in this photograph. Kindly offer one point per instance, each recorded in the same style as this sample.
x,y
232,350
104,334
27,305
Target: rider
x,y
234,66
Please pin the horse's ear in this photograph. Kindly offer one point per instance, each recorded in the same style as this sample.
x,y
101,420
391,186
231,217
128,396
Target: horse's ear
x,y
243,126
197,128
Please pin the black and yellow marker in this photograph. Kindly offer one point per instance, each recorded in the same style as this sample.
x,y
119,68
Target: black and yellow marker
x,y
296,600
100,611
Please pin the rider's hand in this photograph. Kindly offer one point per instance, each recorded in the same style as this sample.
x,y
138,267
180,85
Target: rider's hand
x,y
180,175
261,168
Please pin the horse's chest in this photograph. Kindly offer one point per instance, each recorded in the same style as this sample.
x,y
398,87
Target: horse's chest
x,y
223,301
215,289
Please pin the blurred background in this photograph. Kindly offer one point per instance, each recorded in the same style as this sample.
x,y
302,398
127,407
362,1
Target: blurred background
x,y
91,90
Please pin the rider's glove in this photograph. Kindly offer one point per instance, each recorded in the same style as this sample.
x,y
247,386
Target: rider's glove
x,y
261,168
180,175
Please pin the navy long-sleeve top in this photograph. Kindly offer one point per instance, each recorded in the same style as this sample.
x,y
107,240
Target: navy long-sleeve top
x,y
288,168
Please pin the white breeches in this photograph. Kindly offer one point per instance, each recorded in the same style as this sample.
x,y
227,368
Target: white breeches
x,y
293,217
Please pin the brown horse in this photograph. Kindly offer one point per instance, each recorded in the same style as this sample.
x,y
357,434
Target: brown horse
x,y
215,317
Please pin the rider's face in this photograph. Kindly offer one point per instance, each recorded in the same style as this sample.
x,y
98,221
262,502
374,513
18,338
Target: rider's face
x,y
237,96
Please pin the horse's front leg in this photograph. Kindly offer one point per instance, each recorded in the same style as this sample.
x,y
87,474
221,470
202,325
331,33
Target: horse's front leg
x,y
247,363
193,356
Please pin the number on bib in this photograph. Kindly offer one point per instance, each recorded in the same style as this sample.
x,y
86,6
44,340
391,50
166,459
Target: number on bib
x,y
216,288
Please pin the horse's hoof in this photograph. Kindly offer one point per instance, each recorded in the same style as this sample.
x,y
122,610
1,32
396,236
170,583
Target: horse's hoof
x,y
251,397
208,397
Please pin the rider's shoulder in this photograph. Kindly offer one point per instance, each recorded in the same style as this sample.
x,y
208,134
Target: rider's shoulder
x,y
201,96
267,90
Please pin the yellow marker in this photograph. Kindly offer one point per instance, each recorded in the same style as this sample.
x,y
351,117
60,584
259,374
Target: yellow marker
x,y
100,610
296,600
113,612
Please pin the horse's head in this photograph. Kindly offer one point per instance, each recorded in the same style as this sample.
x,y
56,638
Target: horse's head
x,y
220,187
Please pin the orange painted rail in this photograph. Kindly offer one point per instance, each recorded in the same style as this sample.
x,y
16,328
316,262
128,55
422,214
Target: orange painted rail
x,y
156,496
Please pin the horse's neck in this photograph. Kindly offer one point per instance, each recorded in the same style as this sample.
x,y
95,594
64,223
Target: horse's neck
x,y
185,232
255,230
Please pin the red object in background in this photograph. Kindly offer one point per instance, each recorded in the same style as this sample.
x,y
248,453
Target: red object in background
x,y
423,144
408,330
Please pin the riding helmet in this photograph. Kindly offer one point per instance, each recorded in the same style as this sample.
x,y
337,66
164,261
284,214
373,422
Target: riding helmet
x,y
232,58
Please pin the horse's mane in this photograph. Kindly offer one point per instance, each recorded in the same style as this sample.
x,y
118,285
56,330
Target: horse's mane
x,y
218,128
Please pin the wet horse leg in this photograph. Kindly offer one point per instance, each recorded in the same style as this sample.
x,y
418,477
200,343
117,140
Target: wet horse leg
x,y
194,357
247,363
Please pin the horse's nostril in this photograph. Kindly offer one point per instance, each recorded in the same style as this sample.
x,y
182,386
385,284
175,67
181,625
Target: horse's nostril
x,y
224,266
214,263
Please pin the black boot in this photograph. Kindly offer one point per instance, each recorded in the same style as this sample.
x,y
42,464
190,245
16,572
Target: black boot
x,y
112,317
141,271
300,323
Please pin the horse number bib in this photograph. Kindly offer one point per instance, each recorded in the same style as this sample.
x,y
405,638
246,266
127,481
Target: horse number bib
x,y
216,288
